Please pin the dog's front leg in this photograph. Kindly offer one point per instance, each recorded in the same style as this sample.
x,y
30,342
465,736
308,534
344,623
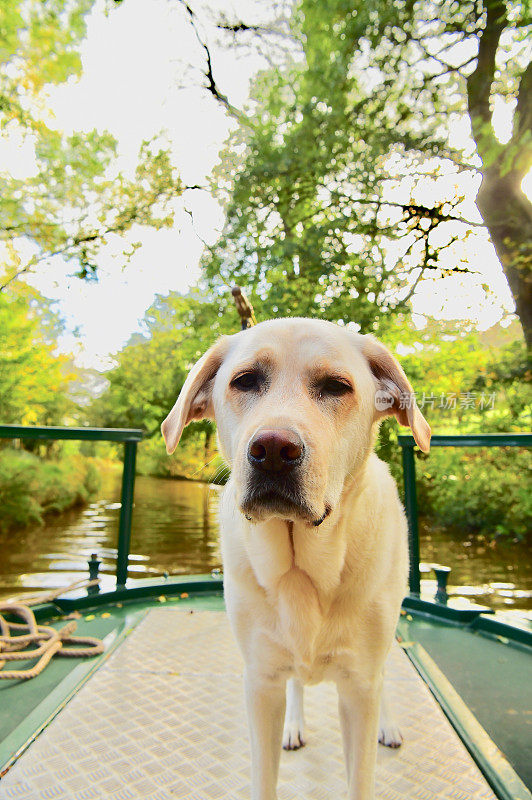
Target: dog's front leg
x,y
389,732
266,702
359,703
294,722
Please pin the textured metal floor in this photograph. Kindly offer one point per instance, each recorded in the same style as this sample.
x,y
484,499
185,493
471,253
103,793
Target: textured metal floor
x,y
164,718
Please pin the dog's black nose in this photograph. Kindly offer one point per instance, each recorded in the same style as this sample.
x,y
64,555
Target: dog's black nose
x,y
277,450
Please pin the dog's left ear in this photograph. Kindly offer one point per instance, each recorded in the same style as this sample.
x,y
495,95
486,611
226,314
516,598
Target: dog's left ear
x,y
394,393
195,398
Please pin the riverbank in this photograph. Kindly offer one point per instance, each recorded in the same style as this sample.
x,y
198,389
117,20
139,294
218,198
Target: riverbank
x,y
34,488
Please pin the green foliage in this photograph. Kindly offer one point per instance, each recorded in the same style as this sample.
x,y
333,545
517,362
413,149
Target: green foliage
x,y
150,372
40,45
196,458
304,231
465,384
31,488
66,483
34,380
308,230
339,183
476,491
76,201
18,474
468,382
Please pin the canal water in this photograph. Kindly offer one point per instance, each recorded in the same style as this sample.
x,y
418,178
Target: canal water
x,y
175,531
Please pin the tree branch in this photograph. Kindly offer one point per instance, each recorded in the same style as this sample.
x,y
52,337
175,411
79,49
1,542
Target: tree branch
x,y
243,27
212,86
414,285
416,211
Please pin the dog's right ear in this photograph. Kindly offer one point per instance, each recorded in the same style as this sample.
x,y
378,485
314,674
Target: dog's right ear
x,y
195,398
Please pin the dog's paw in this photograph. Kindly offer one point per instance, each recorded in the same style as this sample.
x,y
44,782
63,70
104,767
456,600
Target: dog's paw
x,y
390,736
293,736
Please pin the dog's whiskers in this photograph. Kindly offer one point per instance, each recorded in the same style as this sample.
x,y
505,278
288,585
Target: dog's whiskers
x,y
204,465
219,473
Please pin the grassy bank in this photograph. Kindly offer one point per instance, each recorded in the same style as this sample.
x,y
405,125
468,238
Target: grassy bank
x,y
32,488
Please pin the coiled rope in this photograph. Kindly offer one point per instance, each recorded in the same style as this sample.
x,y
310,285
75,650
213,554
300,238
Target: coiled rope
x,y
14,640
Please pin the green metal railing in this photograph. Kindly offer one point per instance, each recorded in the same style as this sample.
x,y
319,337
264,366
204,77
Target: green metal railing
x,y
407,444
129,437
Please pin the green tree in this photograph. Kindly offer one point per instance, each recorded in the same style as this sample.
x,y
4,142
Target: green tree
x,y
151,369
364,106
77,200
34,380
469,382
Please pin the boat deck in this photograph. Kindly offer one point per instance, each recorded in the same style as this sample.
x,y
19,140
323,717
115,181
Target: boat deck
x,y
163,717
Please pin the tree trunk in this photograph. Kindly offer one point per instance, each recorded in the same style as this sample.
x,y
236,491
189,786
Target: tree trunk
x,y
507,213
505,209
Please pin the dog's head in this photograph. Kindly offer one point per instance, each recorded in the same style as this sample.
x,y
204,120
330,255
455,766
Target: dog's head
x,y
296,402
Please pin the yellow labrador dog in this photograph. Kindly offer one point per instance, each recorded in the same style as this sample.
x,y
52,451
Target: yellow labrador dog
x,y
314,538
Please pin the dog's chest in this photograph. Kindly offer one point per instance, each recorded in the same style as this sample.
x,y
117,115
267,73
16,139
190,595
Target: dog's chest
x,y
301,573
314,638
307,622
276,550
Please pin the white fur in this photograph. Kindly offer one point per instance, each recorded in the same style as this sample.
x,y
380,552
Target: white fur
x,y
309,603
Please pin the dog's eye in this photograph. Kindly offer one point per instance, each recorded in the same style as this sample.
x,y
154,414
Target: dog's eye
x,y
247,382
334,387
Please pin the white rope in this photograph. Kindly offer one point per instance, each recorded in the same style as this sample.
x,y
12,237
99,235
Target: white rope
x,y
48,641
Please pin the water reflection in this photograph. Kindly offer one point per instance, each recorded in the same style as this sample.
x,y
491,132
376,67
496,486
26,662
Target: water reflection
x,y
495,574
175,531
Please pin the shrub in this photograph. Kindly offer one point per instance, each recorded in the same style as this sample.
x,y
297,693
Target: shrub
x,y
478,490
192,459
18,505
31,487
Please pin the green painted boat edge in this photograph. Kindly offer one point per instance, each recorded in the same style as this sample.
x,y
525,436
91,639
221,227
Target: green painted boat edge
x,y
499,773
478,618
140,590
489,626
475,618
16,742
446,612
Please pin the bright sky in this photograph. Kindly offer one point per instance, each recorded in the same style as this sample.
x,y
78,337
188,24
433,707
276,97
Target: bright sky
x,y
134,84
134,67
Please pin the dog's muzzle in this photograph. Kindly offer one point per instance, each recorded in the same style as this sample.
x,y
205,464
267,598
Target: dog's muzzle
x,y
274,484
